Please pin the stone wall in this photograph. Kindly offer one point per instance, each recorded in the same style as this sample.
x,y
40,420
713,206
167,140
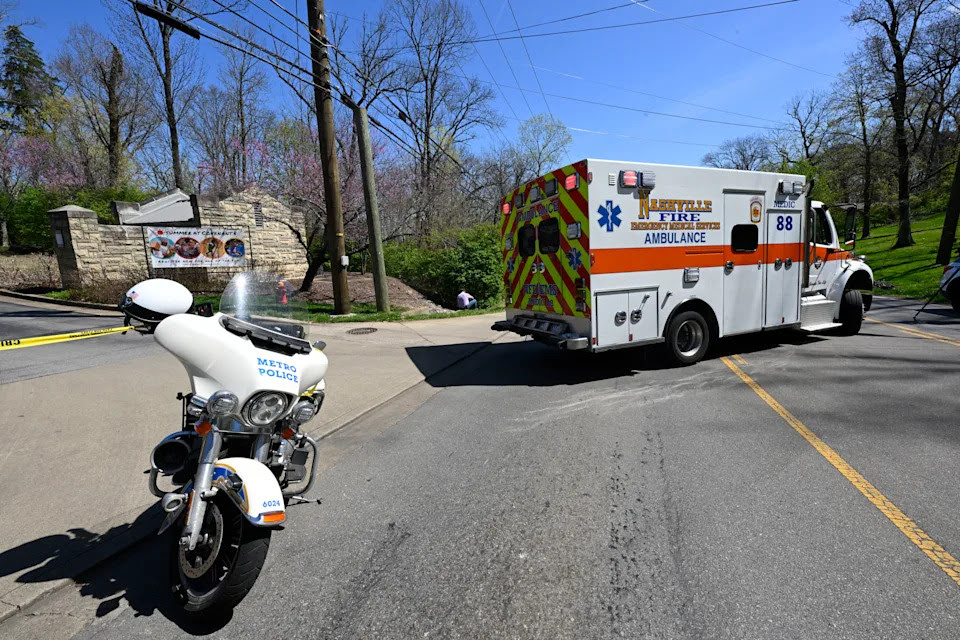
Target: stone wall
x,y
88,252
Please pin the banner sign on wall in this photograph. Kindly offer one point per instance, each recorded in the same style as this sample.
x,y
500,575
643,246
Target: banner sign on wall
x,y
196,247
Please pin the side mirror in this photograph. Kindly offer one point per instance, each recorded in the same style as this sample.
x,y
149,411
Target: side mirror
x,y
850,225
204,309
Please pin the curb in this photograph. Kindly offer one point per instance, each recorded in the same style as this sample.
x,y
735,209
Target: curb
x,y
151,518
103,547
67,303
350,421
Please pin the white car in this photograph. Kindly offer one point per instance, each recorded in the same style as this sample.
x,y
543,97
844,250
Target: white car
x,y
950,283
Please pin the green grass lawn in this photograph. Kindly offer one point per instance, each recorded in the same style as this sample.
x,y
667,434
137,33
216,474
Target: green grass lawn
x,y
911,270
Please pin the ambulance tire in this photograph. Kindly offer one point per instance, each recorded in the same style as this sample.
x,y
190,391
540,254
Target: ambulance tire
x,y
851,312
687,338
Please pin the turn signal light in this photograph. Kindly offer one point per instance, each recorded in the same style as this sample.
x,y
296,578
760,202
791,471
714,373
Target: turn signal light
x,y
274,517
203,428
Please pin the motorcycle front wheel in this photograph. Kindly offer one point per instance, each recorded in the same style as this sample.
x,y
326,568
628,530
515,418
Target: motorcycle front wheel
x,y
220,571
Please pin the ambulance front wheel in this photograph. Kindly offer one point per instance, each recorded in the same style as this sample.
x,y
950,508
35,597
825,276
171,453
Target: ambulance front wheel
x,y
851,312
688,338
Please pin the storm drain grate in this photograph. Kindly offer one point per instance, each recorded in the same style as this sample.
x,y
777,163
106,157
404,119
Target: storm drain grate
x,y
361,331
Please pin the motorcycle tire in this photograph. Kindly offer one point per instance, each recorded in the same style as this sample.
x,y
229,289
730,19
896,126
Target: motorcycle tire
x,y
216,585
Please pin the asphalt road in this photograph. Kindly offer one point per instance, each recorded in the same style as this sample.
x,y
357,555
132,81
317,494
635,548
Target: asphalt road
x,y
536,494
27,321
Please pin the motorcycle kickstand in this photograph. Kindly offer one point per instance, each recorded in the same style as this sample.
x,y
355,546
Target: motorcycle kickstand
x,y
299,500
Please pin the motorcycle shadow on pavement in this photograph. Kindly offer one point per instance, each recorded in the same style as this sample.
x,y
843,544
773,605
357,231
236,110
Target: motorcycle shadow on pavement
x,y
138,574
531,364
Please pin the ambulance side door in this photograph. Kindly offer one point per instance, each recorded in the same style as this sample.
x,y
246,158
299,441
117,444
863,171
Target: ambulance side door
x,y
782,266
743,264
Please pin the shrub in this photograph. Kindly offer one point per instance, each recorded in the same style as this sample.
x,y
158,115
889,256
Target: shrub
x,y
470,260
29,225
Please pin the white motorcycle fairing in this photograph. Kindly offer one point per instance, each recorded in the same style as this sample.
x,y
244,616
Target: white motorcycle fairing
x,y
216,359
259,497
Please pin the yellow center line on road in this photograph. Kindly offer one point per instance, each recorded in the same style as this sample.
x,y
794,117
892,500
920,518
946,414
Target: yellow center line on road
x,y
908,527
739,359
919,333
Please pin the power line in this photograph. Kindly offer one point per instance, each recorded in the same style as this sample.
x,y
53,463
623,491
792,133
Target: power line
x,y
628,137
505,57
322,42
735,44
628,24
529,59
574,17
653,95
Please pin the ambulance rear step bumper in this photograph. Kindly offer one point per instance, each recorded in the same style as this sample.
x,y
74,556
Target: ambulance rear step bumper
x,y
553,332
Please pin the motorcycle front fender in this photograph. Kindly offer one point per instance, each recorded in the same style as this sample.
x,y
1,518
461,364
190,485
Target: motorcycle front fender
x,y
258,496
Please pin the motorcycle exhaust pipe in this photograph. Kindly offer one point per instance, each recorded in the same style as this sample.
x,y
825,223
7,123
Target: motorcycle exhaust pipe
x,y
172,501
170,456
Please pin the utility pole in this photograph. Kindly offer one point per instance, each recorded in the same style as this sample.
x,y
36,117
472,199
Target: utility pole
x,y
328,155
370,199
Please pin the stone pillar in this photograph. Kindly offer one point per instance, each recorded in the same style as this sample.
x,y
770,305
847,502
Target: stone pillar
x,y
76,238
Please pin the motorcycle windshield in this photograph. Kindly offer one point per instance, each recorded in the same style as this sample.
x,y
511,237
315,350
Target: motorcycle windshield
x,y
266,300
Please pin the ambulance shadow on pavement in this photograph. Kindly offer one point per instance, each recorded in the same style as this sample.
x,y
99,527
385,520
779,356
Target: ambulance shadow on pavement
x,y
530,364
103,574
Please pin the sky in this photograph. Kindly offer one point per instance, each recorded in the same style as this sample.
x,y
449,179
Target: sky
x,y
687,70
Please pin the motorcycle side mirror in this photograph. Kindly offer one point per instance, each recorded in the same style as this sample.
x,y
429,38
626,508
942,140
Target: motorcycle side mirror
x,y
204,309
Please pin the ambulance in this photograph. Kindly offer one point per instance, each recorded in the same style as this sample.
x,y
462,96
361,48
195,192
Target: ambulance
x,y
604,255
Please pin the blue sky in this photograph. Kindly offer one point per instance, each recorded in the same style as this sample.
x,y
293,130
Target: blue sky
x,y
672,60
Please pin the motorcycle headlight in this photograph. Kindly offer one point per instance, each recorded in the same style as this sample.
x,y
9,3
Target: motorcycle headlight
x,y
303,411
222,403
264,408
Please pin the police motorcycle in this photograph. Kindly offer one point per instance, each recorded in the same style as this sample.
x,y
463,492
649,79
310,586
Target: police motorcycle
x,y
240,457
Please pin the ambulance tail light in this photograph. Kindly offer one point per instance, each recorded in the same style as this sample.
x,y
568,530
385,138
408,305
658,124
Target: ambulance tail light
x,y
628,179
572,182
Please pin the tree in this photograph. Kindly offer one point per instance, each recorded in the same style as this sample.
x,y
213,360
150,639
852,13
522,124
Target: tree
x,y
862,120
112,97
228,123
25,83
749,153
440,107
173,58
809,125
896,28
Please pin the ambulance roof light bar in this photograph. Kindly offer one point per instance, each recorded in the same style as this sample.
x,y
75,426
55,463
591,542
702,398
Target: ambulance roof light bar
x,y
637,179
791,188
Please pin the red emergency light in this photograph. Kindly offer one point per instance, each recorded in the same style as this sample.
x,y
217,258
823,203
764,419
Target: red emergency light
x,y
571,182
628,178
506,208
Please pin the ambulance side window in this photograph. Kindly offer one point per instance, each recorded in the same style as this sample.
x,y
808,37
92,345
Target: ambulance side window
x,y
744,238
824,236
527,241
549,236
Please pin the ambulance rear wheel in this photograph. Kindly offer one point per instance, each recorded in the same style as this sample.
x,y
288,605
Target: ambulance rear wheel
x,y
688,338
851,312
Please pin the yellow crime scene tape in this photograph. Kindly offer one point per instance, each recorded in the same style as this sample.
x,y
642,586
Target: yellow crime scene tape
x,y
19,343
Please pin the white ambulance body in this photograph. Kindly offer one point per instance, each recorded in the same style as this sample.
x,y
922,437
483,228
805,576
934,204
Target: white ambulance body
x,y
604,254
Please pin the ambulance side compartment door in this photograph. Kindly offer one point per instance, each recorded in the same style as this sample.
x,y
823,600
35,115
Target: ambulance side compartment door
x,y
613,318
